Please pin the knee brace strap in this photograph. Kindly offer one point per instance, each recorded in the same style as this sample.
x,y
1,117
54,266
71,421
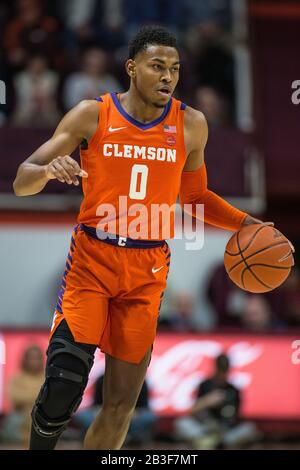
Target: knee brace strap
x,y
60,373
50,427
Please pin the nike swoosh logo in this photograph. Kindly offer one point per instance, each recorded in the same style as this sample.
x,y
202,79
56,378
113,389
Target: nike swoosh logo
x,y
114,129
155,270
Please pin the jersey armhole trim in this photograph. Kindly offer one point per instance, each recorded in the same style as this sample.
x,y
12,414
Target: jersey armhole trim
x,y
100,126
182,106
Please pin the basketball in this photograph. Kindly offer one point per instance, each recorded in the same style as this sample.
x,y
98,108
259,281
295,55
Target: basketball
x,y
258,258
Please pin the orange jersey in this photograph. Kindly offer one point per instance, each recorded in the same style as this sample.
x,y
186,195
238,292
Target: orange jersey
x,y
133,169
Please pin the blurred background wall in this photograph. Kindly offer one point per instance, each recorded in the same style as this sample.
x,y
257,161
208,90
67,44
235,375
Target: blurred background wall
x,y
240,59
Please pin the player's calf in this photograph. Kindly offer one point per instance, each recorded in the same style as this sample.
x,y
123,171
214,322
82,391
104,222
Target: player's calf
x,y
109,429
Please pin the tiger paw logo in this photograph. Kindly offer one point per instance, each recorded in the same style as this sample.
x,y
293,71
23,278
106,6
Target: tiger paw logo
x,y
171,140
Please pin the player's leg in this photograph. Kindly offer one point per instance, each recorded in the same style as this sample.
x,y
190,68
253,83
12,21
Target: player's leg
x,y
127,341
122,385
67,370
79,321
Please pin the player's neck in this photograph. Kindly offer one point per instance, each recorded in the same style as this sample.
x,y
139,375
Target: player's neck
x,y
136,107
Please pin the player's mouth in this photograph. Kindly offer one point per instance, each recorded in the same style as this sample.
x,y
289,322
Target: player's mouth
x,y
165,91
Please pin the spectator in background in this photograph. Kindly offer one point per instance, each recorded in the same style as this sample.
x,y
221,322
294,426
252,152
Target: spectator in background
x,y
285,301
236,308
226,300
92,22
36,95
92,81
213,105
75,14
31,32
177,311
182,315
203,13
108,24
140,13
257,315
212,62
76,17
216,413
23,389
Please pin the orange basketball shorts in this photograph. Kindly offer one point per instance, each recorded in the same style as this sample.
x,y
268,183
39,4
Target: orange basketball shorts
x,y
110,295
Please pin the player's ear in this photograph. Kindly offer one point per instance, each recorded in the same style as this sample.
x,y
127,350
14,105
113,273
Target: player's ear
x,y
131,68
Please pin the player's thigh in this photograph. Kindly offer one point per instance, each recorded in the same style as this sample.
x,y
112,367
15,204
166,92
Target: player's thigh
x,y
123,381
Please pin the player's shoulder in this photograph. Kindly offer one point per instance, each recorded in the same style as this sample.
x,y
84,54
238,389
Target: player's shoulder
x,y
195,128
87,109
83,119
194,118
84,116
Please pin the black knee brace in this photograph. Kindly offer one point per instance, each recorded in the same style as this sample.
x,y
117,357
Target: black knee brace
x,y
67,370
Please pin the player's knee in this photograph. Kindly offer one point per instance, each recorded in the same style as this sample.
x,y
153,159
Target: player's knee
x,y
67,373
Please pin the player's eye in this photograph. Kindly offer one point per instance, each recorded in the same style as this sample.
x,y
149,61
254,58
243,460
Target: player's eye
x,y
156,66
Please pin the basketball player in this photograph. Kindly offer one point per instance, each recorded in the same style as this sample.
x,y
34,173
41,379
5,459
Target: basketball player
x,y
147,146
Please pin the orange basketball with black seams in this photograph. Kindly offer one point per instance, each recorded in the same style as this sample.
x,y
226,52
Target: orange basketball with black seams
x,y
258,258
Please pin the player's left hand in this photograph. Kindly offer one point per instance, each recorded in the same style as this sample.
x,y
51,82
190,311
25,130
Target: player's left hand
x,y
252,220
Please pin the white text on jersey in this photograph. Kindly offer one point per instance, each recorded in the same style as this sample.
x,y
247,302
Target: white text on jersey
x,y
145,153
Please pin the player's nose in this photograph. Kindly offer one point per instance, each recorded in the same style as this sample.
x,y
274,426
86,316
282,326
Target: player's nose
x,y
167,77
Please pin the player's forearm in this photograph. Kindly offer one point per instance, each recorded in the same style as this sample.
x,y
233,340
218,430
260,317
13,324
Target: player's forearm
x,y
30,179
217,211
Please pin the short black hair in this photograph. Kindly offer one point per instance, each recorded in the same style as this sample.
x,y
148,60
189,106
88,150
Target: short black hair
x,y
150,34
222,363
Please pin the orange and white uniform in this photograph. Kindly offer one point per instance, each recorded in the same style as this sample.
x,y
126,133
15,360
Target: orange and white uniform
x,y
112,288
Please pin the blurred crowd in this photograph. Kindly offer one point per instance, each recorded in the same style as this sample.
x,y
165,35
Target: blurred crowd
x,y
22,391
57,53
214,420
232,308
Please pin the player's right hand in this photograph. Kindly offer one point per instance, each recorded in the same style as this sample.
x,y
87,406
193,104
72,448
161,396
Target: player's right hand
x,y
65,169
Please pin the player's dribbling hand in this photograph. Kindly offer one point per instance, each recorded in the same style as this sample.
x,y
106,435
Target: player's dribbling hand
x,y
251,220
65,169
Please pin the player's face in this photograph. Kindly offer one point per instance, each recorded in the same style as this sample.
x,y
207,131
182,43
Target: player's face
x,y
157,74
